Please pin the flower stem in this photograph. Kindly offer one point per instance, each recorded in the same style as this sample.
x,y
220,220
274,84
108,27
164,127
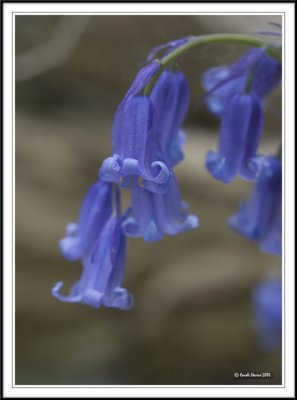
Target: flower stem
x,y
196,41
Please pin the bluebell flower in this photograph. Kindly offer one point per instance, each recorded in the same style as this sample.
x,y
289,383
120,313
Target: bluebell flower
x,y
171,99
259,219
240,130
104,261
154,214
221,83
147,135
95,211
136,152
103,272
267,313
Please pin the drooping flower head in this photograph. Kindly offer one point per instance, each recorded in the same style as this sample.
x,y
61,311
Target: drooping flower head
x,y
267,313
147,135
103,257
259,219
239,136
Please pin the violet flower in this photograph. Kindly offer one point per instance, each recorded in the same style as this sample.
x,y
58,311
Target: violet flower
x,y
171,99
241,125
147,138
103,272
259,219
154,214
95,210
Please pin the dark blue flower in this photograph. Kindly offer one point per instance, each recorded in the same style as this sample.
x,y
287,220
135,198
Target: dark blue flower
x,y
267,313
171,99
95,210
223,82
240,130
154,214
259,218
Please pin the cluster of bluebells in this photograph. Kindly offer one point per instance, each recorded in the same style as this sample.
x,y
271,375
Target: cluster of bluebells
x,y
236,94
147,144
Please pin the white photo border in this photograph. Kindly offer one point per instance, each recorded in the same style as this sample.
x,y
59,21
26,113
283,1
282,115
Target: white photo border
x,y
287,11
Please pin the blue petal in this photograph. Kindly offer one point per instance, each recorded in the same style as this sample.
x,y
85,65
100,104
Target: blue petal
x,y
235,122
142,78
155,214
250,169
266,77
103,272
223,82
259,217
135,147
171,98
95,210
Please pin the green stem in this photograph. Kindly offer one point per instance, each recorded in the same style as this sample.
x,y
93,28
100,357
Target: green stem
x,y
197,41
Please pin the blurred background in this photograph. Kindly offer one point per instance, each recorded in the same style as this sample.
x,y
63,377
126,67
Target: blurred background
x,y
191,324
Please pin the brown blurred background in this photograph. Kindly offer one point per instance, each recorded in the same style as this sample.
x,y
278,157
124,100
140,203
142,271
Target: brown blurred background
x,y
191,323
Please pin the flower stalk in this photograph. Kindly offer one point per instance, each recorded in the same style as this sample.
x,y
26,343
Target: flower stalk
x,y
197,41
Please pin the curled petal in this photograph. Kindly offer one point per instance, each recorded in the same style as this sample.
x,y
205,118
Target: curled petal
x,y
162,172
111,168
72,298
120,299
